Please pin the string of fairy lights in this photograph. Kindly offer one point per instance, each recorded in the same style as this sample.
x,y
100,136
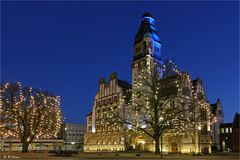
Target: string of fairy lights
x,y
183,123
27,111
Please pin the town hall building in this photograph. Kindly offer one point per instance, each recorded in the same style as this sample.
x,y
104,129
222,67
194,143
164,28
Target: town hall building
x,y
102,136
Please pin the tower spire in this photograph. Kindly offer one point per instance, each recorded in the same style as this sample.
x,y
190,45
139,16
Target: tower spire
x,y
147,35
147,46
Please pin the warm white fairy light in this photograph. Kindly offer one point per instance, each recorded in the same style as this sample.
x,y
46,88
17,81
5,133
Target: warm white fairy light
x,y
29,109
139,111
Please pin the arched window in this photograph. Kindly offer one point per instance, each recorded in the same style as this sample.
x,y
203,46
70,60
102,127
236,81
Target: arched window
x,y
109,140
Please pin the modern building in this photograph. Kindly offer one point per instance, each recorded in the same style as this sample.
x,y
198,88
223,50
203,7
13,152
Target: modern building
x,y
73,136
229,135
102,136
13,144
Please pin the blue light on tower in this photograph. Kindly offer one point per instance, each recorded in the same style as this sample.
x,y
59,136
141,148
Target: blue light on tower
x,y
149,19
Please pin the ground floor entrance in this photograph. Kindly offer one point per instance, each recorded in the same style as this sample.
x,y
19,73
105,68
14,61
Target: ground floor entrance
x,y
174,147
139,143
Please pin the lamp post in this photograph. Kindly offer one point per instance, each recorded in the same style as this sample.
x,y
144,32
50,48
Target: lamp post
x,y
199,131
65,137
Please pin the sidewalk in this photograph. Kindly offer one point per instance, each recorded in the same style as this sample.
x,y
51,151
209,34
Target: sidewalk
x,y
116,156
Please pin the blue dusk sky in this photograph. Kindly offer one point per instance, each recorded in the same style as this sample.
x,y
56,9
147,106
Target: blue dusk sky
x,y
65,47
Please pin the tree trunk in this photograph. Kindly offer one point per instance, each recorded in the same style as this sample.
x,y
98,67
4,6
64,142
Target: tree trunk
x,y
25,147
161,146
157,149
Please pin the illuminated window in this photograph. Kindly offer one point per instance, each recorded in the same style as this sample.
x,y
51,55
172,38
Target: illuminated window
x,y
230,130
226,130
222,130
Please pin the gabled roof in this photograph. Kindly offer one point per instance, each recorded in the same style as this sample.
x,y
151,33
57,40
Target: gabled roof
x,y
223,125
169,87
236,120
213,108
170,78
89,114
195,81
124,84
146,26
216,105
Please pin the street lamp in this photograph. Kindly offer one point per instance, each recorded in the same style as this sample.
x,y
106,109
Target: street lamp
x,y
65,138
199,129
72,143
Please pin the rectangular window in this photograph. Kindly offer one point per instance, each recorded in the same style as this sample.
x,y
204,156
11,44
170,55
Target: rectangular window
x,y
222,130
226,130
230,130
90,118
115,99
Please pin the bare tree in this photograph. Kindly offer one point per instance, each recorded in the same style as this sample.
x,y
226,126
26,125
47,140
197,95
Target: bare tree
x,y
169,68
156,105
28,114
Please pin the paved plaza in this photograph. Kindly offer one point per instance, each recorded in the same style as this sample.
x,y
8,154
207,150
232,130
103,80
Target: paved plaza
x,y
117,156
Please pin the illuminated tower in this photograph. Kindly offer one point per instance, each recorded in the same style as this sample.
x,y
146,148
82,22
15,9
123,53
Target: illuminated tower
x,y
147,46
